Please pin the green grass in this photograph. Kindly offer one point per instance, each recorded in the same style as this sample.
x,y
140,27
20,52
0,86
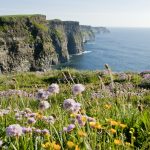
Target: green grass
x,y
122,108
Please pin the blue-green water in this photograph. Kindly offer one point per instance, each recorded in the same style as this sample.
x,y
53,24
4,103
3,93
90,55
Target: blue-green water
x,y
124,49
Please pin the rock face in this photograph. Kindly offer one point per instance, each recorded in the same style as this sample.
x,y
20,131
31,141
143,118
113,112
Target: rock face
x,y
66,38
25,44
87,33
30,43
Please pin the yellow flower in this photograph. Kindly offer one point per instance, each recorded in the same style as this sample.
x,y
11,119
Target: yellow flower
x,y
70,144
84,118
82,134
73,115
56,147
113,131
39,115
77,147
117,142
95,125
53,146
114,123
47,145
107,106
123,125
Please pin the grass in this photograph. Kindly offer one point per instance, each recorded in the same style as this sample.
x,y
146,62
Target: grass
x,y
121,114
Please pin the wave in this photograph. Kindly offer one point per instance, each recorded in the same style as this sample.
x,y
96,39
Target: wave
x,y
85,52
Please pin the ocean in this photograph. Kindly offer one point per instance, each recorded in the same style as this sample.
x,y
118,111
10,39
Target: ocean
x,y
124,49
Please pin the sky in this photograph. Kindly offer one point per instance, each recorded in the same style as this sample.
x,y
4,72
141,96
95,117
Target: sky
x,y
109,13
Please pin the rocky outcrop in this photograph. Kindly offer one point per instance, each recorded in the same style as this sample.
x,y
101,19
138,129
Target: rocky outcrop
x,y
30,43
87,33
25,44
66,38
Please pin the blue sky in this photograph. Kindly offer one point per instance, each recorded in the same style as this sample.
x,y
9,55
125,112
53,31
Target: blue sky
x,y
119,13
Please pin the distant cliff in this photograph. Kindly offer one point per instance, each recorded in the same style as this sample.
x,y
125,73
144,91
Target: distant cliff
x,y
89,32
29,43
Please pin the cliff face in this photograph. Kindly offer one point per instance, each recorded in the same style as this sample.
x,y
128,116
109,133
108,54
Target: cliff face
x,y
25,44
66,37
87,33
29,43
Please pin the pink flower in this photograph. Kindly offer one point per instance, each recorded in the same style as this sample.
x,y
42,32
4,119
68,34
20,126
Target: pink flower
x,y
78,89
71,106
42,94
14,130
31,120
44,105
54,88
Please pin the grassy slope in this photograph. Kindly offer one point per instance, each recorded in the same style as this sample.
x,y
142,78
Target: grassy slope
x,y
120,107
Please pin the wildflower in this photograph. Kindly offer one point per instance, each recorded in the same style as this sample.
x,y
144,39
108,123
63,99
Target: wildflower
x,y
117,142
69,128
45,132
37,131
44,105
113,131
95,125
113,122
78,89
77,147
42,95
90,119
39,115
53,146
107,106
50,119
81,119
31,120
26,130
82,134
123,125
14,130
71,106
54,88
70,144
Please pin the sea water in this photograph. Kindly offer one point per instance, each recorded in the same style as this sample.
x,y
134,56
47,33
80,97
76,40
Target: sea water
x,y
124,49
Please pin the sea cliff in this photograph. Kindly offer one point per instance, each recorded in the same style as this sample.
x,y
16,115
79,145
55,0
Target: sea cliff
x,y
32,43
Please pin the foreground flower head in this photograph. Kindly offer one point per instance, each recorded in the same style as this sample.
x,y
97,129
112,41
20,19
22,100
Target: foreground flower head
x,y
51,146
78,89
71,106
14,130
95,125
44,105
69,128
53,88
42,94
117,142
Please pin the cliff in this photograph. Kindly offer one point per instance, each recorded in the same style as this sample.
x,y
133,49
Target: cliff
x,y
66,38
25,44
30,42
87,33
100,30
